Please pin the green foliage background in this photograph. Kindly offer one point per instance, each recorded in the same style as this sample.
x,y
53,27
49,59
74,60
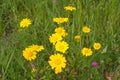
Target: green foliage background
x,y
103,17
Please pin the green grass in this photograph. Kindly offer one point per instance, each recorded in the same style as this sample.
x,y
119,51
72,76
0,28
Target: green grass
x,y
102,16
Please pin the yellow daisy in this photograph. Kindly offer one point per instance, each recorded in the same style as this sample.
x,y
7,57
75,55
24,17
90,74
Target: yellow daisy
x,y
33,70
61,46
69,8
60,20
61,31
77,38
86,51
36,47
25,22
55,38
97,46
29,54
86,29
58,62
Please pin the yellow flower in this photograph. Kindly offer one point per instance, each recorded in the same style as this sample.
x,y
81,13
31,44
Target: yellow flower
x,y
29,54
97,46
61,31
86,51
58,62
69,8
77,38
25,22
86,29
54,38
36,48
60,20
61,46
33,70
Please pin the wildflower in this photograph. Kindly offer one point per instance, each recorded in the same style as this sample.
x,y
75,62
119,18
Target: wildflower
x,y
69,8
25,22
60,20
58,62
77,38
61,46
36,47
33,70
61,31
97,46
86,51
29,54
32,65
94,64
86,29
54,38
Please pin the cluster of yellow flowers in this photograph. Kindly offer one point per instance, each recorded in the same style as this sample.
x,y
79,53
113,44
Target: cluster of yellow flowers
x,y
58,61
60,20
58,35
87,51
31,52
85,29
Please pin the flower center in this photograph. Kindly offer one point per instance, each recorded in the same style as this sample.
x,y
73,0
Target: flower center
x,y
31,54
59,31
57,61
97,46
86,51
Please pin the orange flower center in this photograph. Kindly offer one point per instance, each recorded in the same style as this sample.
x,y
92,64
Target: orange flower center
x,y
57,61
31,54
86,51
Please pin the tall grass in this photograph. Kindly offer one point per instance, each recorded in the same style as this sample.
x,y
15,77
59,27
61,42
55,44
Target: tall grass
x,y
102,16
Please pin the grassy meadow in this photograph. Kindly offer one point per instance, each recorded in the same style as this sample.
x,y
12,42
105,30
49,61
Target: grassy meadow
x,y
88,48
